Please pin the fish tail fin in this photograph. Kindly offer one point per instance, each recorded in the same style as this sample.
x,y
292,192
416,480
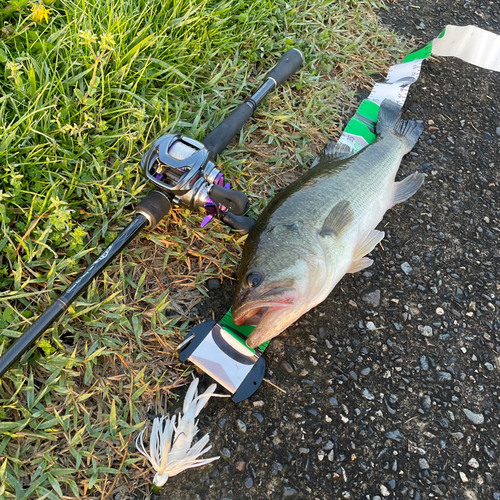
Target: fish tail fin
x,y
389,121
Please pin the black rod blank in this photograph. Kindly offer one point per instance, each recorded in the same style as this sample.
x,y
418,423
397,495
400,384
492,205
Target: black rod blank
x,y
28,338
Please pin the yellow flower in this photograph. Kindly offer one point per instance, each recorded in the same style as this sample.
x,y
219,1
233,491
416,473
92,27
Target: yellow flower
x,y
106,42
88,38
40,12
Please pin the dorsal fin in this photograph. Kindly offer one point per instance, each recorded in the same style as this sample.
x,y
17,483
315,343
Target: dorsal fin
x,y
338,220
333,151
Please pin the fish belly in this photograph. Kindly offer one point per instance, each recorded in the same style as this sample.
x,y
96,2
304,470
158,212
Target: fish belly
x,y
369,189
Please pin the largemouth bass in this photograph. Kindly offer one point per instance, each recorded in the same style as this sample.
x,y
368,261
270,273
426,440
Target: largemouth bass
x,y
321,227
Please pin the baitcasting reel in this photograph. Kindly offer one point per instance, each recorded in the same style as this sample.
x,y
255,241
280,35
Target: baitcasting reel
x,y
183,171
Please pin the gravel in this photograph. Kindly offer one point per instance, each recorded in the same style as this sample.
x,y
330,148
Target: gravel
x,y
475,418
289,492
241,425
372,298
407,269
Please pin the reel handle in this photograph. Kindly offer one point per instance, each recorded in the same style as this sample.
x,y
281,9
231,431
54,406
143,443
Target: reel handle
x,y
221,136
235,201
239,223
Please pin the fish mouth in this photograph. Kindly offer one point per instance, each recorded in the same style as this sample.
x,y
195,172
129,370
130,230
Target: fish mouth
x,y
266,314
253,311
253,314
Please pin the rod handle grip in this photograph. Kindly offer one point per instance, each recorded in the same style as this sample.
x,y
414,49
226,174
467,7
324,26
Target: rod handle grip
x,y
222,135
290,63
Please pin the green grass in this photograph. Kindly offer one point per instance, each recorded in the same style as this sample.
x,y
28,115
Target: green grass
x,y
84,95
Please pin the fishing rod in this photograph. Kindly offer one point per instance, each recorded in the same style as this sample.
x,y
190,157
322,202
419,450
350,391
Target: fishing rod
x,y
183,172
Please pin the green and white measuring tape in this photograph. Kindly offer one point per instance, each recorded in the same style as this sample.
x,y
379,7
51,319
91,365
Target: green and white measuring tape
x,y
469,43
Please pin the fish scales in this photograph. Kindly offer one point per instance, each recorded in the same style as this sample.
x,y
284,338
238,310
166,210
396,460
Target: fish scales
x,y
320,227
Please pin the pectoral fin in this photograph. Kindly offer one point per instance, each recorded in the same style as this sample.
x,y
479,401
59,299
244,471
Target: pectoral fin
x,y
368,241
339,220
407,187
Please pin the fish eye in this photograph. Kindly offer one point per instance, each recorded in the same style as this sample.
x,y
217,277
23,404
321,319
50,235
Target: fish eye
x,y
254,278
